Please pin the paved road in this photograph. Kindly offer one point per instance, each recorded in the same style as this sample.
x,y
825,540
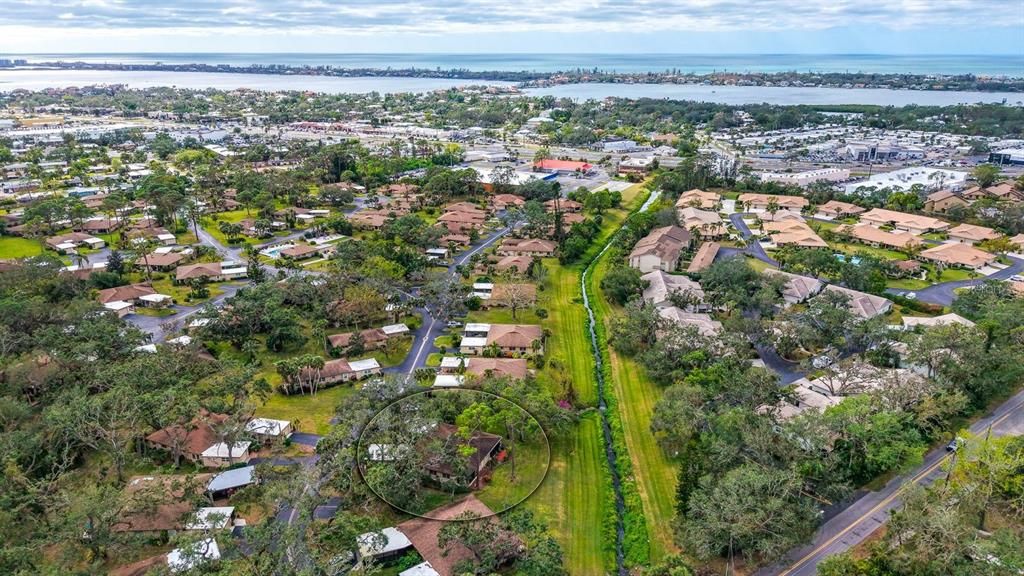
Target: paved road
x,y
754,247
945,292
431,328
865,515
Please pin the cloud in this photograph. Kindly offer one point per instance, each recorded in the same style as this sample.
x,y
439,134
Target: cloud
x,y
442,17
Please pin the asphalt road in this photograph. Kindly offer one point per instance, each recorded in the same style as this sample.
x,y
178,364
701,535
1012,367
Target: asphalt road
x,y
753,248
859,520
431,328
945,292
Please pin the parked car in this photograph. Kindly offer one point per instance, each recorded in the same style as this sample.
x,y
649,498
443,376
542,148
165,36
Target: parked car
x,y
454,324
955,444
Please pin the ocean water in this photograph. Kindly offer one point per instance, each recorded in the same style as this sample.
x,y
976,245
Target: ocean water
x,y
999,65
39,79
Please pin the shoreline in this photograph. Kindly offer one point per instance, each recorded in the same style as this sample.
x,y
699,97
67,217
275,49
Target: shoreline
x,y
531,80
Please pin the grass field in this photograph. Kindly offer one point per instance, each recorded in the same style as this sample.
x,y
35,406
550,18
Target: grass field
x,y
881,253
307,413
572,497
15,247
531,464
637,394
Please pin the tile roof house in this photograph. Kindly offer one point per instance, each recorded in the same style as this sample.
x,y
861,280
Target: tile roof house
x,y
704,324
562,166
191,440
960,255
515,368
942,201
423,532
526,247
704,257
971,234
759,202
913,223
158,503
510,339
160,261
698,198
793,233
872,236
862,304
837,209
798,288
563,205
659,250
660,286
520,263
707,223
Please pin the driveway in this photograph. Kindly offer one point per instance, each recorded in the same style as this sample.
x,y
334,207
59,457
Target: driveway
x,y
305,438
945,292
753,249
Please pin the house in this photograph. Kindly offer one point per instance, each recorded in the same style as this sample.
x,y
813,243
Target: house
x,y
268,430
705,325
705,223
563,205
230,481
482,447
136,294
526,247
835,209
797,289
698,198
387,544
862,304
99,226
945,319
659,250
211,271
342,370
1018,241
793,233
704,257
211,518
872,236
373,338
66,243
661,286
562,166
913,223
120,308
515,368
971,234
635,166
1001,191
505,201
191,440
301,251
369,219
509,339
421,569
423,532
942,201
177,560
755,202
160,262
520,264
223,454
958,255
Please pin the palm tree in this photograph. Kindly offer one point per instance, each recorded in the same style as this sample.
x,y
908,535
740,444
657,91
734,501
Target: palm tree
x,y
145,246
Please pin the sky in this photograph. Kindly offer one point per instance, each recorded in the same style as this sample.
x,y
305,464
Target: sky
x,y
488,26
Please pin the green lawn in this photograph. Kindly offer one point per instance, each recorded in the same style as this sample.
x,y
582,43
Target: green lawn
x,y
156,312
306,413
758,265
881,253
531,464
636,396
16,247
572,497
180,292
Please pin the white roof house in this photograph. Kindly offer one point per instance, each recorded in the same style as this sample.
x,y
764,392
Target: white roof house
x,y
183,340
211,518
222,450
155,298
382,543
187,558
394,329
911,321
422,569
118,305
364,365
448,380
473,342
234,478
474,327
454,362
150,348
267,426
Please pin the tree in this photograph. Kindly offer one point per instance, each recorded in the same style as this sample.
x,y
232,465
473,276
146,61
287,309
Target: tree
x,y
622,283
754,511
985,174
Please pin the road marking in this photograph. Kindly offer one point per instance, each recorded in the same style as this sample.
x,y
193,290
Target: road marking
x,y
917,478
